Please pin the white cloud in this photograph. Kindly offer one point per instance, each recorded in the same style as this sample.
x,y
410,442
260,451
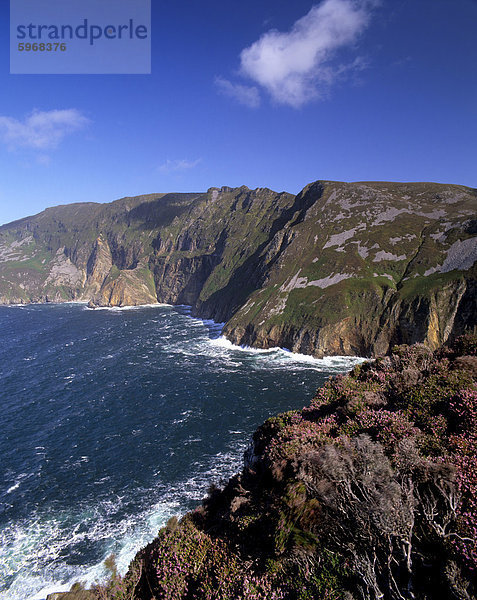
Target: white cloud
x,y
244,94
295,67
41,130
178,165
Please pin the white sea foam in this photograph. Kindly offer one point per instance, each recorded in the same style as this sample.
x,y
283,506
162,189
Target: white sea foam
x,y
184,417
223,342
281,357
13,487
18,481
123,308
32,550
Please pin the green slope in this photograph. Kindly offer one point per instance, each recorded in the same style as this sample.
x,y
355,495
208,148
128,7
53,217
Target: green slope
x,y
341,268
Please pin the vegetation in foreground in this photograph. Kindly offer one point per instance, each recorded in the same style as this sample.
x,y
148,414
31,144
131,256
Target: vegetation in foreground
x,y
369,492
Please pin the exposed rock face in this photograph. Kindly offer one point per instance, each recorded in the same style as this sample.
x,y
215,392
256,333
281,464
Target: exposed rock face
x,y
131,287
354,276
338,269
99,266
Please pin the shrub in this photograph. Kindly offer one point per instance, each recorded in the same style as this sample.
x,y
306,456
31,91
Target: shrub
x,y
369,492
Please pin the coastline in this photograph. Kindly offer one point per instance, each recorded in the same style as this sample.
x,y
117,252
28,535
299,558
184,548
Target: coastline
x,y
226,342
217,352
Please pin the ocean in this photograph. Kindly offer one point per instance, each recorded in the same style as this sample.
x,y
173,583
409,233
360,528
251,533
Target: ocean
x,y
114,420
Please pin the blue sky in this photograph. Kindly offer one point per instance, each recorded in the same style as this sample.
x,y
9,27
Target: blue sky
x,y
265,94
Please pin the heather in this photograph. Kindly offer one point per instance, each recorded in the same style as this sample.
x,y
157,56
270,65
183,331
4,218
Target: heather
x,y
368,492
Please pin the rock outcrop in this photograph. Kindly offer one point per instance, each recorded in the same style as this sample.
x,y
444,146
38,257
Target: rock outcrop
x,y
368,493
341,268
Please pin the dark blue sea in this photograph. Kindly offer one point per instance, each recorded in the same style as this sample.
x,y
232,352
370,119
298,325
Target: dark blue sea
x,y
112,421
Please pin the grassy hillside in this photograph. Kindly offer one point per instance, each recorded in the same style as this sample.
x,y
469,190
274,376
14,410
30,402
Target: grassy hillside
x,y
341,268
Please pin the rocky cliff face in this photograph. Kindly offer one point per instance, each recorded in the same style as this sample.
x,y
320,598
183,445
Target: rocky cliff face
x,y
338,269
368,266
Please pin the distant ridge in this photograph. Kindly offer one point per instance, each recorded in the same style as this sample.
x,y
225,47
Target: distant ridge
x,y
341,268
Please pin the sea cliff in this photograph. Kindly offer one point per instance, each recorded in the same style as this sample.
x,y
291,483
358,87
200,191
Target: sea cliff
x,y
339,269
